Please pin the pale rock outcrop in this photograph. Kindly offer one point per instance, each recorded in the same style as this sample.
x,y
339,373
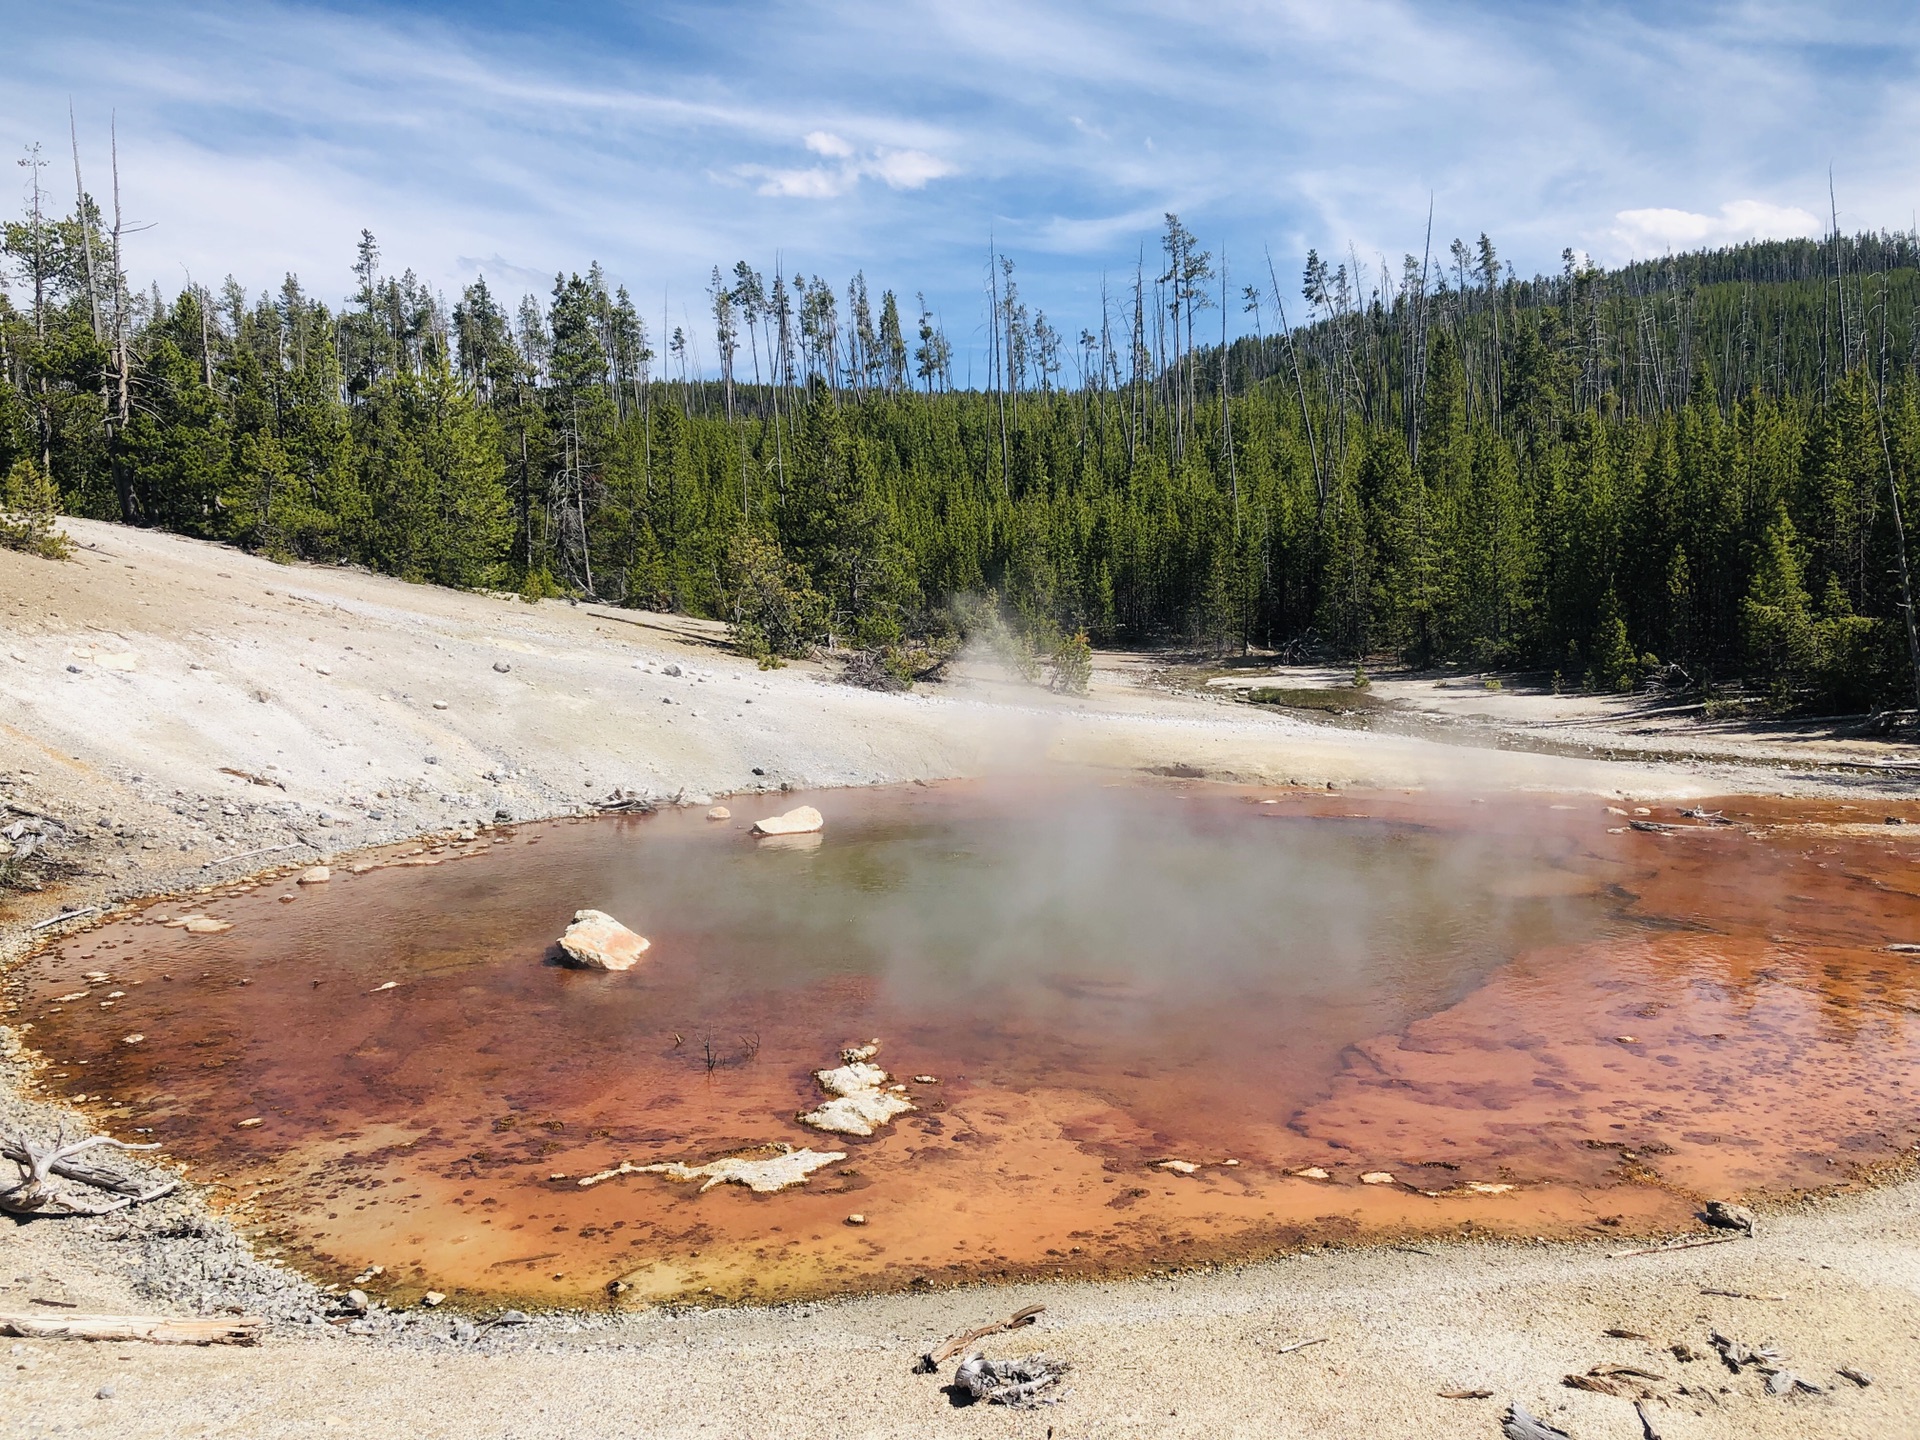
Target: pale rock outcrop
x,y
861,1099
315,875
802,821
599,942
763,1175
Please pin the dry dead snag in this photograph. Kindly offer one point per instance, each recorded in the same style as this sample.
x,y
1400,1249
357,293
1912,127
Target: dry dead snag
x,y
40,1193
154,1329
1019,1384
935,1358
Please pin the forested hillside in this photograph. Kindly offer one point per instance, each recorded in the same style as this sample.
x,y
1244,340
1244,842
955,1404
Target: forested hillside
x,y
1701,463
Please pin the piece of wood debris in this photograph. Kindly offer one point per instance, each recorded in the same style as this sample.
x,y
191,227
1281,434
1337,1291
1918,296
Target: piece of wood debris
x,y
1673,1246
1737,1354
251,778
1738,1294
933,1359
1520,1424
1300,1345
1615,1332
1018,1384
38,1194
1466,1394
1647,1432
1785,1382
68,915
1858,1377
154,1329
249,854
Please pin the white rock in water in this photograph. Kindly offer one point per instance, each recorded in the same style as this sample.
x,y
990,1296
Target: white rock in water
x,y
719,812
315,875
762,1176
860,1103
598,941
803,821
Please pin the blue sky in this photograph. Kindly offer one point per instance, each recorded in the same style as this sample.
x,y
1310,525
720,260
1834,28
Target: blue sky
x,y
662,139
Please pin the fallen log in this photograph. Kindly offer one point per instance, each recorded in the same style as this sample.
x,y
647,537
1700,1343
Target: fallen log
x,y
154,1329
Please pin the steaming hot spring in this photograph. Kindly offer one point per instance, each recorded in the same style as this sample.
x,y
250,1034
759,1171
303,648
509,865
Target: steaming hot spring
x,y
984,1030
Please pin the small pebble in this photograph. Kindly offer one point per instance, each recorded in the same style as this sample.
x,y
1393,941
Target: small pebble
x,y
105,1392
856,1219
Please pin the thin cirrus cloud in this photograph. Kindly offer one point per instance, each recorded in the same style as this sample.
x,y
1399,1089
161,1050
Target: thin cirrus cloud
x,y
664,138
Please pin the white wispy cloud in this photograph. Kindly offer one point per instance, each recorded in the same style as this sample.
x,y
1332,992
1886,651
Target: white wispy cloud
x,y
261,136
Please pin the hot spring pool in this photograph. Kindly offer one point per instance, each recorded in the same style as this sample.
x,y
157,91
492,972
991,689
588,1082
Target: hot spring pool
x,y
1507,1017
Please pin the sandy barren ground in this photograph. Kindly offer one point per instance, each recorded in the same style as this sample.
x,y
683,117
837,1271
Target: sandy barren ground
x,y
140,677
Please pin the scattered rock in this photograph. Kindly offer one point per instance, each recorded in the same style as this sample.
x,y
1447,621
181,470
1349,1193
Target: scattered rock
x,y
1179,1167
599,942
248,1124
315,875
198,924
856,1219
133,1039
1312,1172
1487,1187
502,666
1377,1177
432,1298
804,820
1723,1215
926,1080
670,669
439,704
719,812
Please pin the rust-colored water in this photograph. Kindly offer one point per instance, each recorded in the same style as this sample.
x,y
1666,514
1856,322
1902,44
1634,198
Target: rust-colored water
x,y
1514,993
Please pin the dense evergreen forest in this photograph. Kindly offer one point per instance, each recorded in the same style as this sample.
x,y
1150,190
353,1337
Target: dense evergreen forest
x,y
1688,472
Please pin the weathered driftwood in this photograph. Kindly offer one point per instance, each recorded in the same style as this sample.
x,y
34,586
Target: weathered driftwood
x,y
1519,1424
1676,1245
66,915
1301,1345
37,1193
155,1329
1018,1384
935,1358
1647,1432
1466,1394
1737,1354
